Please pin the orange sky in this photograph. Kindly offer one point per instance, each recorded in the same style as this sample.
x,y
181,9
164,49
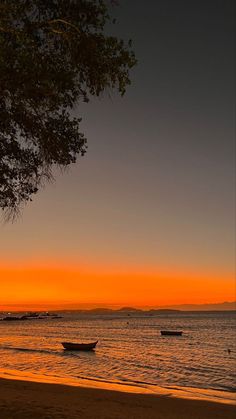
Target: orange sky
x,y
50,284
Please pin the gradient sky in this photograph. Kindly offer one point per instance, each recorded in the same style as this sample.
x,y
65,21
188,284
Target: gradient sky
x,y
148,215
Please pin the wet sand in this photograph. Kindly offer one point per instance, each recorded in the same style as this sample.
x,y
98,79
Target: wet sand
x,y
31,400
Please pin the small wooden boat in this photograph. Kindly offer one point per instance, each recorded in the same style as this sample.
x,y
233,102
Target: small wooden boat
x,y
171,333
69,346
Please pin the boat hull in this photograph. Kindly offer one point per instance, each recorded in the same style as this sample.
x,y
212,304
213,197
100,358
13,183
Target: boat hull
x,y
70,346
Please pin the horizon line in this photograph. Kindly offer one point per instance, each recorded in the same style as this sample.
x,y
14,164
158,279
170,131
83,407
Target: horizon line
x,y
114,307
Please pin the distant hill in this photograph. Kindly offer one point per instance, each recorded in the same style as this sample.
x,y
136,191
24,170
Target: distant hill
x,y
128,309
163,310
225,306
125,311
99,310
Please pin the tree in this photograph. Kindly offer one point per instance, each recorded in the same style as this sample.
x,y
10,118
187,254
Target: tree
x,y
53,54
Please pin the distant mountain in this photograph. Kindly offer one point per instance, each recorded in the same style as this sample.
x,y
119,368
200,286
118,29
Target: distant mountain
x,y
124,311
98,310
226,306
128,309
163,310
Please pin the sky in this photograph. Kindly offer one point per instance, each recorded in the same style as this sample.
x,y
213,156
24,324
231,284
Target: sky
x,y
147,216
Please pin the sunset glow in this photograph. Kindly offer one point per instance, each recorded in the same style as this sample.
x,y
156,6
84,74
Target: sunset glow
x,y
45,284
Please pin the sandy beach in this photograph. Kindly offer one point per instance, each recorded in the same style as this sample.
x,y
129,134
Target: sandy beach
x,y
31,400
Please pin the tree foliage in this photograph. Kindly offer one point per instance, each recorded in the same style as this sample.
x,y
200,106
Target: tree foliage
x,y
53,54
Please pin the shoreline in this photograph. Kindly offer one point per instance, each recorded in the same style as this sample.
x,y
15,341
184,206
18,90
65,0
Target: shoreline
x,y
183,393
20,399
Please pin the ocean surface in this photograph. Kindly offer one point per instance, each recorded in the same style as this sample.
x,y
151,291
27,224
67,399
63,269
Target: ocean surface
x,y
130,349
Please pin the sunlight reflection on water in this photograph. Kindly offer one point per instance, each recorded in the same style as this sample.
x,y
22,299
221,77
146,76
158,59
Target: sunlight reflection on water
x,y
133,353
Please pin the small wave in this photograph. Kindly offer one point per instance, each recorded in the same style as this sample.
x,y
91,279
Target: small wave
x,y
121,381
55,352
15,348
137,382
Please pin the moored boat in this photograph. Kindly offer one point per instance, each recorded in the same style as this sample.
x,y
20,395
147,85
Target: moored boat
x,y
11,318
171,333
70,346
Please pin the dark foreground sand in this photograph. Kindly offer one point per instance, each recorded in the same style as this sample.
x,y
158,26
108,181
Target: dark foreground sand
x,y
24,399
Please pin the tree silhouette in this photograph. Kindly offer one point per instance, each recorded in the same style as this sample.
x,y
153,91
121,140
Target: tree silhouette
x,y
53,54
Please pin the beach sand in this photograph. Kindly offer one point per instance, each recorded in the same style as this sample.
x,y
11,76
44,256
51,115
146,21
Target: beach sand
x,y
31,400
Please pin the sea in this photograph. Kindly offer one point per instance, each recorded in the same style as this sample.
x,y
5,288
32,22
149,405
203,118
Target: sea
x,y
131,350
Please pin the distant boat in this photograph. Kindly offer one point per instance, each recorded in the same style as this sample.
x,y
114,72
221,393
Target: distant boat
x,y
32,316
79,346
11,318
57,317
48,315
171,333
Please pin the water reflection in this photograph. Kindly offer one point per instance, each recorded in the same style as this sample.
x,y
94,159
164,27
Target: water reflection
x,y
128,353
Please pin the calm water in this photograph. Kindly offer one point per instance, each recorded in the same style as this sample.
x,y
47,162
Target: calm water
x,y
130,349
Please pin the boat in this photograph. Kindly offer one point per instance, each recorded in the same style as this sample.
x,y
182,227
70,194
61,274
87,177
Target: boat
x,y
48,315
171,333
11,318
70,346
